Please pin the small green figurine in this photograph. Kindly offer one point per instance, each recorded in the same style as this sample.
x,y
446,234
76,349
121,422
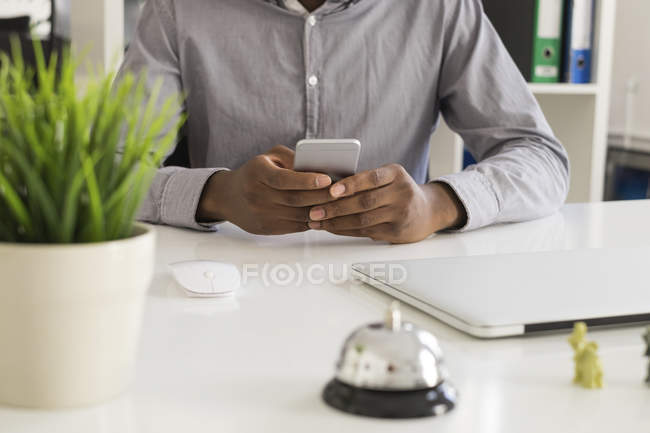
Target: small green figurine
x,y
577,341
646,338
588,369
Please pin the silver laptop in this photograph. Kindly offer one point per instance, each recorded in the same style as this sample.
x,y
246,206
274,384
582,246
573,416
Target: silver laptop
x,y
504,295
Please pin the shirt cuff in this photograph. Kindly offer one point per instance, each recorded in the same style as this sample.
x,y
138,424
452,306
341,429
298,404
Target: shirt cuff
x,y
180,198
476,194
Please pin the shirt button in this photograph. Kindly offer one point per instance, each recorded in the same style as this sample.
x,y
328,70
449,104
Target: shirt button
x,y
313,81
311,20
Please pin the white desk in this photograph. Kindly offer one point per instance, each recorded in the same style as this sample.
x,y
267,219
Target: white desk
x,y
259,366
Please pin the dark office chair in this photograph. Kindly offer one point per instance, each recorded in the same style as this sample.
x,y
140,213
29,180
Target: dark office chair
x,y
181,155
20,26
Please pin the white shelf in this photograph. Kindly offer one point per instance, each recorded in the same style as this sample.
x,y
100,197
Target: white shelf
x,y
577,113
563,89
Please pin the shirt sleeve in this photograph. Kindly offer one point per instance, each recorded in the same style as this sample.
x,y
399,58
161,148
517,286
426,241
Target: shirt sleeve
x,y
522,171
175,192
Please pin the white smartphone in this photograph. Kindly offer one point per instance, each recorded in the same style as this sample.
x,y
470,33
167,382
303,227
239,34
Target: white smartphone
x,y
338,158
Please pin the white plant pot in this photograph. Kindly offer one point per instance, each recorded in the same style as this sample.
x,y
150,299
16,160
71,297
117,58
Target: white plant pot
x,y
70,319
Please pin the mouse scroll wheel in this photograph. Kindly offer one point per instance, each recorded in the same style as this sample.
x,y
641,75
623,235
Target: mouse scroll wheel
x,y
209,275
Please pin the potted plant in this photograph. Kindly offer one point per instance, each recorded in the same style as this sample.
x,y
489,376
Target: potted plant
x,y
74,266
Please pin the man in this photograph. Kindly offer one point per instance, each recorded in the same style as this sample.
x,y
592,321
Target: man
x,y
263,73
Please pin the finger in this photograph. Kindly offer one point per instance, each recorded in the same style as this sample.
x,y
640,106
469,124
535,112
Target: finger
x,y
295,214
380,232
285,179
301,199
362,202
282,156
366,180
357,221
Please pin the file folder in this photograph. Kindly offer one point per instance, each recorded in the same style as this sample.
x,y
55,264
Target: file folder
x,y
547,48
514,21
578,41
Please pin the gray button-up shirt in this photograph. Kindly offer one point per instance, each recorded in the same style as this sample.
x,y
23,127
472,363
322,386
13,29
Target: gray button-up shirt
x,y
257,75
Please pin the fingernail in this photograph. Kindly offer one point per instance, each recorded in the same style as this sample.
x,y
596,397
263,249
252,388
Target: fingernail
x,y
315,225
323,181
337,190
317,214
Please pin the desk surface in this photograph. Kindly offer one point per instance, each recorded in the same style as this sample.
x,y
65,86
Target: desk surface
x,y
258,363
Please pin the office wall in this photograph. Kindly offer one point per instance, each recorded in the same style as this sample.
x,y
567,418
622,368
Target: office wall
x,y
131,12
63,18
97,31
632,65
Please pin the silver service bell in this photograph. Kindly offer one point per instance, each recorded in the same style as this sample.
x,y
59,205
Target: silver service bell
x,y
391,370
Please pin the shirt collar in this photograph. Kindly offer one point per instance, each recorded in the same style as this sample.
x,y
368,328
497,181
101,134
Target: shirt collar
x,y
295,5
330,6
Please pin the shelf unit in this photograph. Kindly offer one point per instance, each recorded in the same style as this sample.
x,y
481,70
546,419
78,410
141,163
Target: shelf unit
x,y
578,114
563,89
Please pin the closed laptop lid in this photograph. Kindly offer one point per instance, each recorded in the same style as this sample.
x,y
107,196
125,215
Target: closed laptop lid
x,y
497,295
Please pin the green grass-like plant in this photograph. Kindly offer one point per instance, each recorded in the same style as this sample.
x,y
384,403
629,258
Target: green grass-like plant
x,y
75,167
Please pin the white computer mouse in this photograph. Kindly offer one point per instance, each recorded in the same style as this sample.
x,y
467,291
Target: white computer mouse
x,y
205,278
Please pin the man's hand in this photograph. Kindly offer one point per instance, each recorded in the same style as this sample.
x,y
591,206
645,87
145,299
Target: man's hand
x,y
264,196
386,204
